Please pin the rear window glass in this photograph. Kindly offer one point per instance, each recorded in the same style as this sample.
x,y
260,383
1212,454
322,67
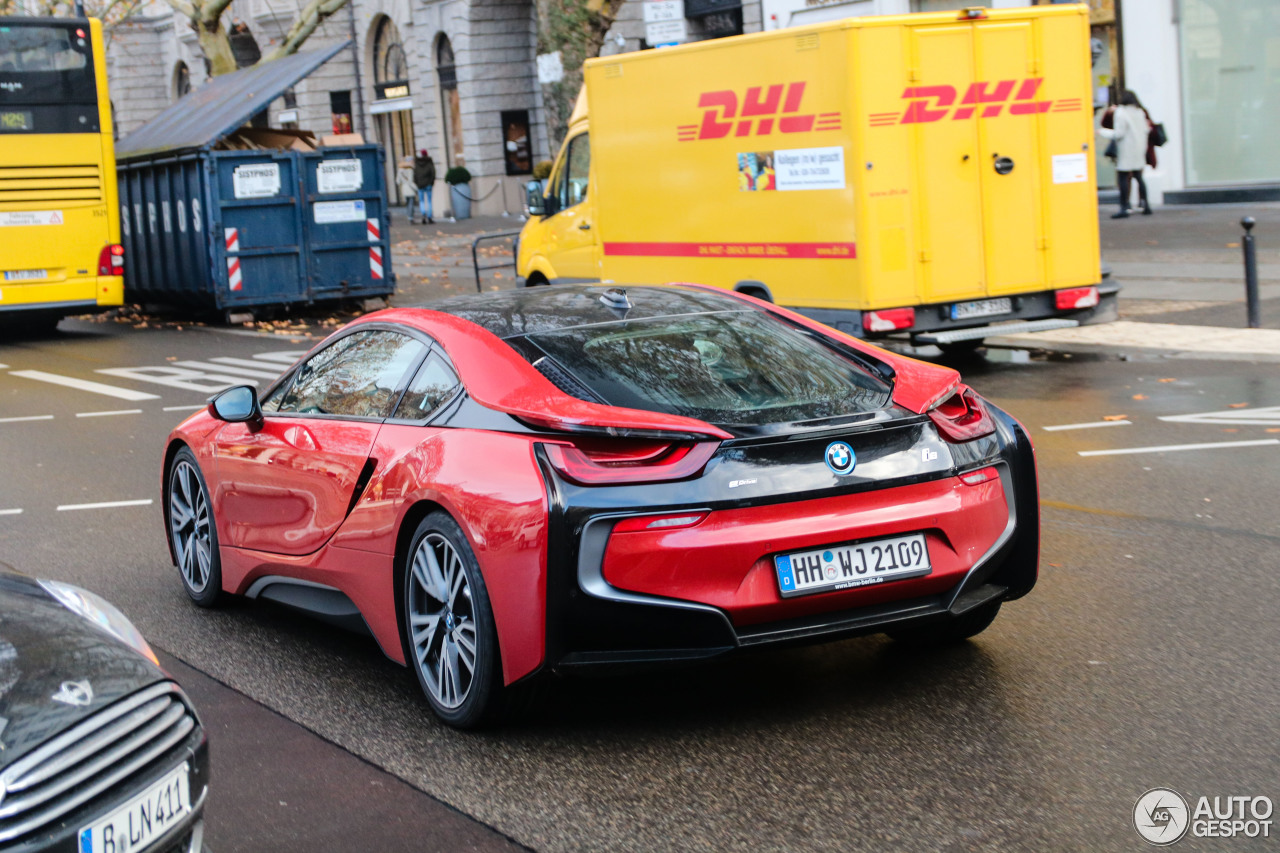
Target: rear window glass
x,y
47,79
725,368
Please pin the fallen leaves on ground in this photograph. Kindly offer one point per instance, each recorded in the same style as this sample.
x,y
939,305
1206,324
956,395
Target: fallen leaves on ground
x,y
1237,405
1141,397
1167,380
1114,417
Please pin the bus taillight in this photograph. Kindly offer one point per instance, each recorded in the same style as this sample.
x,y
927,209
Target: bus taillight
x,y
111,261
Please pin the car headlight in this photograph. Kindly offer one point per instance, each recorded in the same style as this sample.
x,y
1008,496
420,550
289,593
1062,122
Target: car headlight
x,y
100,612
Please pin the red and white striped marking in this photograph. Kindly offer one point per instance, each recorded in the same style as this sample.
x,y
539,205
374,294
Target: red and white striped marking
x,y
375,252
233,264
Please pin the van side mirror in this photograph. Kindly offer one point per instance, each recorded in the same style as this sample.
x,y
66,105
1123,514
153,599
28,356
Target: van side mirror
x,y
238,405
535,201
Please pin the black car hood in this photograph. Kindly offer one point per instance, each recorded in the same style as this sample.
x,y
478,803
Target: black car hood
x,y
43,646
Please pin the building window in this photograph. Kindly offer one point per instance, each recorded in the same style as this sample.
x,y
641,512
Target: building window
x,y
515,142
1231,90
451,107
340,109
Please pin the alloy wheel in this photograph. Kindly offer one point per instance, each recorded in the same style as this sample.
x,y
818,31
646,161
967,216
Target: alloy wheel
x,y
190,525
442,624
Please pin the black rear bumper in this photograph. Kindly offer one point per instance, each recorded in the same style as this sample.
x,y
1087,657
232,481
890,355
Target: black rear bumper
x,y
593,626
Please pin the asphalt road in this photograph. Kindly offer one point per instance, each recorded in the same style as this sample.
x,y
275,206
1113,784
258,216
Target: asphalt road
x,y
1145,657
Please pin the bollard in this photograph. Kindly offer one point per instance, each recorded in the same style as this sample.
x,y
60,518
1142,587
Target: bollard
x,y
1251,273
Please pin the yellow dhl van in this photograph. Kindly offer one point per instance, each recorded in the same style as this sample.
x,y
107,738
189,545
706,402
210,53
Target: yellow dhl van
x,y
930,174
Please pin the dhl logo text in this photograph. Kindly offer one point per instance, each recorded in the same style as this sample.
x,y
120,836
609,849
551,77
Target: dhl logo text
x,y
761,109
982,99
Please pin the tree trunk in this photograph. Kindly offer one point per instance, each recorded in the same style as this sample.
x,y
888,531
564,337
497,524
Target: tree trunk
x,y
576,28
216,46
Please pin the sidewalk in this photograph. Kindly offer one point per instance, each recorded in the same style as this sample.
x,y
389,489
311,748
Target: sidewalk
x,y
1181,270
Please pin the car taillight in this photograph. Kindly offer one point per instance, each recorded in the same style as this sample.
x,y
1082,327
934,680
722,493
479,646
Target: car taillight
x,y
111,260
889,320
653,523
612,462
962,416
1076,297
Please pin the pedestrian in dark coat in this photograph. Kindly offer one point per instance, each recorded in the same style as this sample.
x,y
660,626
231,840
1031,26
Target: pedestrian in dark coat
x,y
424,177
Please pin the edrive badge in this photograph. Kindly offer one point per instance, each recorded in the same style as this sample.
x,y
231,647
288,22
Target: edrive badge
x,y
840,457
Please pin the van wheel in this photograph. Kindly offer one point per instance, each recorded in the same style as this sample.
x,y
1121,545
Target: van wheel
x,y
536,280
762,295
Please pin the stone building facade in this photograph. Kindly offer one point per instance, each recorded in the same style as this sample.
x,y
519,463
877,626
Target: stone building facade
x,y
456,77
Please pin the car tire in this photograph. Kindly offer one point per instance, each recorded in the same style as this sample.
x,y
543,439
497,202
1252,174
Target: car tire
x,y
961,348
193,532
953,630
450,638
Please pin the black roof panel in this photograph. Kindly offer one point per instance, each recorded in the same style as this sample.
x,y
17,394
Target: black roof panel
x,y
532,310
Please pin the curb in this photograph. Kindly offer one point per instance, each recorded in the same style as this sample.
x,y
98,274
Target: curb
x,y
1157,340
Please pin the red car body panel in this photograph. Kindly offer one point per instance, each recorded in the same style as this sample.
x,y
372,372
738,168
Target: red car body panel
x,y
490,483
726,559
285,488
500,505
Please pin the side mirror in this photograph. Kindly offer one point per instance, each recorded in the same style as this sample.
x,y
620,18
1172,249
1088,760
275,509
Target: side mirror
x,y
534,199
238,405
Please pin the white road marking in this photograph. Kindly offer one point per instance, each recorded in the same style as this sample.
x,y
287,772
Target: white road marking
x,y
1170,448
108,414
257,366
10,512
85,385
27,418
285,358
1090,425
263,371
184,378
104,505
183,408
1268,416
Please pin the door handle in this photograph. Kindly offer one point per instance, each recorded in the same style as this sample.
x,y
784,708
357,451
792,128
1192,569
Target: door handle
x,y
1003,165
586,226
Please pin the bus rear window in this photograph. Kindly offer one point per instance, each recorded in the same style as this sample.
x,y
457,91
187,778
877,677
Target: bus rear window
x,y
47,79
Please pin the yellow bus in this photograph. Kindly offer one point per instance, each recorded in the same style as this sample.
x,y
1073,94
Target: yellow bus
x,y
60,249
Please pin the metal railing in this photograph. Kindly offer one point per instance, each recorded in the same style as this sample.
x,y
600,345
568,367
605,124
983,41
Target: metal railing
x,y
475,253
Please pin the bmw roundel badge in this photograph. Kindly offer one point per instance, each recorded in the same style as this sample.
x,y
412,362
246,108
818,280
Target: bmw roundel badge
x,y
840,457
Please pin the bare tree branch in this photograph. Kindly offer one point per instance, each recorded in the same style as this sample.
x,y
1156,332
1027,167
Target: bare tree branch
x,y
185,9
303,26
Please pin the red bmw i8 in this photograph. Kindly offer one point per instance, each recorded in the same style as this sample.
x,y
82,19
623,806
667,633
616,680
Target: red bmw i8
x,y
563,479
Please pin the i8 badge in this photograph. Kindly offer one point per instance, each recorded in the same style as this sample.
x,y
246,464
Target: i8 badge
x,y
840,457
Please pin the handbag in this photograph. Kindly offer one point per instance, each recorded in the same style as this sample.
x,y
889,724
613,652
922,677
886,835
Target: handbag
x,y
1157,135
1111,152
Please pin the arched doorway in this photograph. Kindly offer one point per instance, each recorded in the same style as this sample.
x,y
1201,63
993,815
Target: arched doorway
x,y
393,105
450,107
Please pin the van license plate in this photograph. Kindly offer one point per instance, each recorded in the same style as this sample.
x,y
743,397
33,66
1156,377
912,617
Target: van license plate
x,y
981,308
847,566
23,275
